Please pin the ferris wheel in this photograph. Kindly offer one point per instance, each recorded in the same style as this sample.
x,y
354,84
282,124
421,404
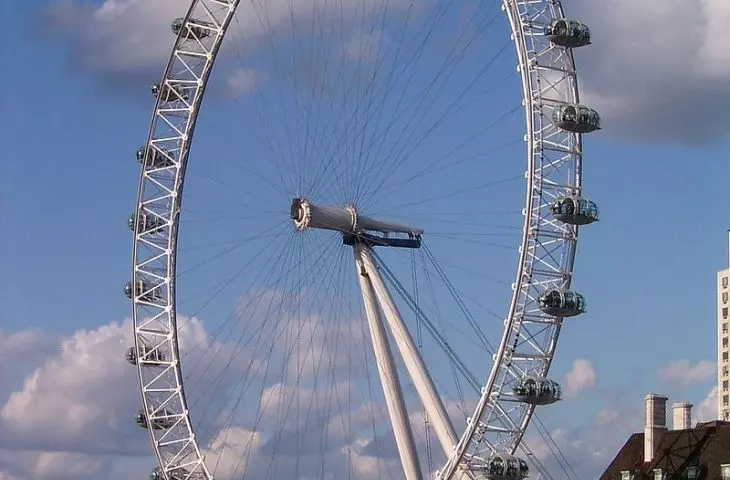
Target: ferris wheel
x,y
382,166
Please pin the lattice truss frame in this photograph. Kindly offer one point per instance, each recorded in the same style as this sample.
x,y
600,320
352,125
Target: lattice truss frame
x,y
548,248
164,162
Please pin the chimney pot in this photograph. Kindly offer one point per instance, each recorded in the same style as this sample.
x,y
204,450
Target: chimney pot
x,y
656,423
682,413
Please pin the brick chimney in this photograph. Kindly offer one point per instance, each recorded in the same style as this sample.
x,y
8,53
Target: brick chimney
x,y
656,424
682,413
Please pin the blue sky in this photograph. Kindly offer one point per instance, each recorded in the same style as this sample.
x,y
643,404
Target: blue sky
x,y
647,269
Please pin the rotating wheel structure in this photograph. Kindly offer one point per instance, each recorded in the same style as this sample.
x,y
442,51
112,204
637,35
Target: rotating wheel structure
x,y
336,297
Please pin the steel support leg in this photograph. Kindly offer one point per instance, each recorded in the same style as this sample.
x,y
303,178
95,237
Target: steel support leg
x,y
388,375
414,363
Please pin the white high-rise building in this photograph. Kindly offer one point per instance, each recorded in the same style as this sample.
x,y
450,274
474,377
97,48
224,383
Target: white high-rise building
x,y
723,345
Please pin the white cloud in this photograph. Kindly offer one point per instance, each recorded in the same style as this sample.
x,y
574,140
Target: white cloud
x,y
366,47
606,416
590,448
684,374
119,35
72,416
582,377
657,99
17,345
707,409
655,65
34,465
84,398
243,80
127,36
229,452
77,398
714,57
68,465
87,384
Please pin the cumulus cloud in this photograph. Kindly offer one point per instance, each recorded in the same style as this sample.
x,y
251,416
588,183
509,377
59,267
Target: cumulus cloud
x,y
658,69
639,99
118,36
243,80
40,465
132,38
72,416
606,416
581,377
86,382
16,345
75,400
590,446
684,374
80,401
707,408
231,450
366,47
657,99
68,465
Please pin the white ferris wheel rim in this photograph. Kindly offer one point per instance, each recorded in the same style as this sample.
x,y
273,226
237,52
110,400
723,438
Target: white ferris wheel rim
x,y
154,260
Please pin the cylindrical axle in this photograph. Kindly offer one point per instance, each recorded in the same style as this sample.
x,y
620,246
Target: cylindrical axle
x,y
342,219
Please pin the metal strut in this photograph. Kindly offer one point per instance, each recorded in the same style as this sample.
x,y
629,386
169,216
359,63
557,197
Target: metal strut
x,y
388,375
411,358
414,364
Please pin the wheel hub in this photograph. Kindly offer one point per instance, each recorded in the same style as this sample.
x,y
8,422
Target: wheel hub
x,y
345,220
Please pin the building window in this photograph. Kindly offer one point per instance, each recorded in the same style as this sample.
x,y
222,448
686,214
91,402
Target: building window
x,y
724,282
724,328
724,357
725,370
724,342
725,400
658,474
725,385
724,297
692,473
724,313
627,475
725,471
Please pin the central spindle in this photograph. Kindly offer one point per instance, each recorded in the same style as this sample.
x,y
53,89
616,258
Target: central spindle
x,y
347,221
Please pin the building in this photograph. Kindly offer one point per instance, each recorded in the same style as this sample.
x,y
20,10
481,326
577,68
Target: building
x,y
679,453
723,346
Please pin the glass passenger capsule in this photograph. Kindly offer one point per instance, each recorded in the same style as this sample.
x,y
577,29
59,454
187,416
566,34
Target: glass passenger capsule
x,y
502,466
177,474
146,353
156,423
155,158
568,33
574,210
143,289
168,93
193,31
536,391
576,118
561,303
146,223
